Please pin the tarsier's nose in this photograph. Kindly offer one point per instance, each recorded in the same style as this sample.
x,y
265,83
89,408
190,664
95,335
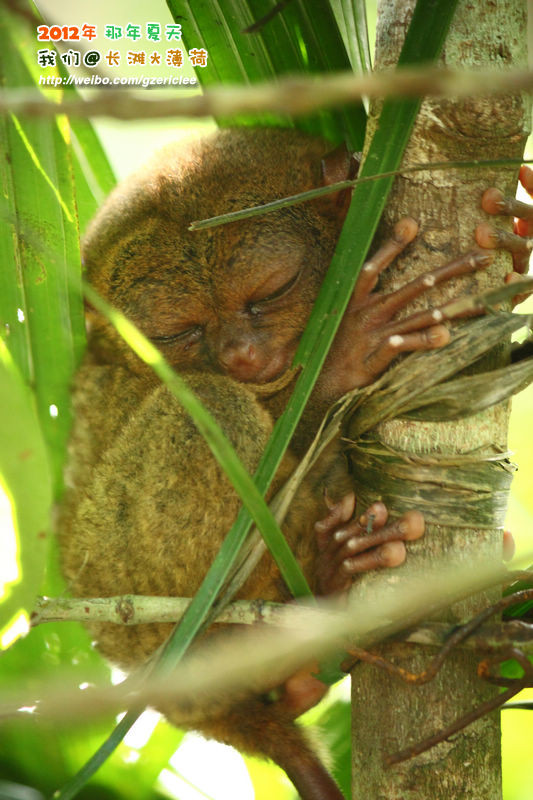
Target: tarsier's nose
x,y
240,360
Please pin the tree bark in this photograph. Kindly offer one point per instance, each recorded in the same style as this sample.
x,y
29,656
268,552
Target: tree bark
x,y
389,715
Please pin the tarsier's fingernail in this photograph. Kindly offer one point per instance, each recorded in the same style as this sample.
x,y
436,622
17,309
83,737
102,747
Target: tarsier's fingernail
x,y
437,333
351,544
339,535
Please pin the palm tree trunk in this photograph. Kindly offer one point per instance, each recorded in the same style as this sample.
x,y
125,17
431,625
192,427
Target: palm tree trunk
x,y
387,714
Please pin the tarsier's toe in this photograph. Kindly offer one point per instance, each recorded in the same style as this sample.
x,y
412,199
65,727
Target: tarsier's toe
x,y
486,236
508,545
303,690
405,230
489,237
493,201
519,246
390,554
412,525
337,514
519,243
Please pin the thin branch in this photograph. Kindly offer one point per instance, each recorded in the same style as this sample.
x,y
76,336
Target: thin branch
x,y
457,637
220,667
294,96
455,727
131,609
489,637
265,653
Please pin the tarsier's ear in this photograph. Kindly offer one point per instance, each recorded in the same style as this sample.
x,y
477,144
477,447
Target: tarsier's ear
x,y
339,165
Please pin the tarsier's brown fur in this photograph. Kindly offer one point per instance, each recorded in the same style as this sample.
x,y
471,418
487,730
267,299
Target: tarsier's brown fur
x,y
147,506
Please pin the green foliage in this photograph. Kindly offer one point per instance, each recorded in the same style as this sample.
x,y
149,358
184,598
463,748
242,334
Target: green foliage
x,y
55,176
335,721
300,40
25,470
39,300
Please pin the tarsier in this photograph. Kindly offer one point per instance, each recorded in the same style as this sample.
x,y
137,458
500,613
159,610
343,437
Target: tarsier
x,y
147,505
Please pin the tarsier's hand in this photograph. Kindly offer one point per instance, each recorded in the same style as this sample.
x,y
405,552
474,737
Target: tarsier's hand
x,y
349,545
369,336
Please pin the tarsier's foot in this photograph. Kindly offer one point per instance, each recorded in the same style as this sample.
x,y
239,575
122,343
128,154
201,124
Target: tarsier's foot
x,y
302,690
369,336
519,243
349,546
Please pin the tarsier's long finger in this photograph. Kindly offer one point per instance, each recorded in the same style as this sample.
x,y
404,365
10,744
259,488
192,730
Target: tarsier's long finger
x,y
435,316
525,177
338,514
417,322
523,226
520,247
338,526
508,545
428,339
465,264
350,538
405,231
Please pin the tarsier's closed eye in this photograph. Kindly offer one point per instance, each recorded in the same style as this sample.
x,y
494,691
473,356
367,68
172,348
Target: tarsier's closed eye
x,y
255,306
188,336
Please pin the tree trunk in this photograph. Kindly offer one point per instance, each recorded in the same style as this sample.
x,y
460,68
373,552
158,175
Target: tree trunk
x,y
389,715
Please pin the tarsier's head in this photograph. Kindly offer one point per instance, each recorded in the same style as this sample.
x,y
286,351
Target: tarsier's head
x,y
234,298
